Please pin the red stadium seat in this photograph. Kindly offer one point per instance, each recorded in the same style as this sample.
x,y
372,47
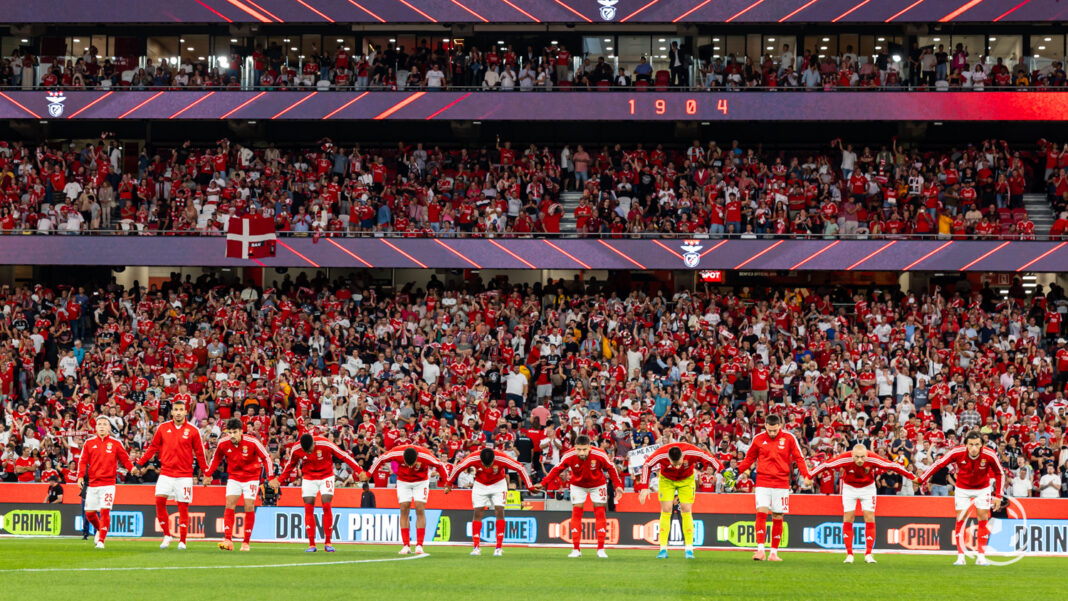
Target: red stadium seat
x,y
642,86
564,85
663,80
603,85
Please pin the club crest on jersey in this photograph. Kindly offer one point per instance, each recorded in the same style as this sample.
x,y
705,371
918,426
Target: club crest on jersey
x,y
691,252
244,449
608,9
55,103
108,449
593,464
318,454
782,443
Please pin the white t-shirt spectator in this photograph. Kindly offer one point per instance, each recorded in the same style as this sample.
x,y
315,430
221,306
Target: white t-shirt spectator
x,y
73,189
1046,491
431,372
434,78
514,383
68,367
1021,487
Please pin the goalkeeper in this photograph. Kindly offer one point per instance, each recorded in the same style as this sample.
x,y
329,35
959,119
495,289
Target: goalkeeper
x,y
676,462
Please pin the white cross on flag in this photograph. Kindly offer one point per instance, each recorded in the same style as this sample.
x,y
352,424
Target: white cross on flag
x,y
250,237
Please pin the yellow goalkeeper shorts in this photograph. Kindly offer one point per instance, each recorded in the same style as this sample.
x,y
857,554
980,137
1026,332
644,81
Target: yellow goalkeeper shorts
x,y
685,488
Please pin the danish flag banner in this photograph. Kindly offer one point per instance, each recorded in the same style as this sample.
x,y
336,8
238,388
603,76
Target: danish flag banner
x,y
250,237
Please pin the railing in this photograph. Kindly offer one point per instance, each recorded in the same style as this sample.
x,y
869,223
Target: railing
x,y
537,235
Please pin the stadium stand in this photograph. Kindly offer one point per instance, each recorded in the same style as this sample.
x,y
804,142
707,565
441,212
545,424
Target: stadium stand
x,y
525,367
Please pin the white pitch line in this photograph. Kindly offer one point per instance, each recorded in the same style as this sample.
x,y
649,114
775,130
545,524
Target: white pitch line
x,y
215,567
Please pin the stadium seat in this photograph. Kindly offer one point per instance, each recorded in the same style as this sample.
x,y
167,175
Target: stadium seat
x,y
663,80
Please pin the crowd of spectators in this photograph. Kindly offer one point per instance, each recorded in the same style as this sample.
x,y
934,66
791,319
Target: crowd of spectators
x,y
527,367
705,190
553,66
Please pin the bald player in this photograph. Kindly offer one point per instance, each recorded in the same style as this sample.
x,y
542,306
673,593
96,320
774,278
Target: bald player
x,y
859,469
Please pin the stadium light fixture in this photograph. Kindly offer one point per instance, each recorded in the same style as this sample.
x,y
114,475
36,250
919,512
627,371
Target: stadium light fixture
x,y
1047,39
1041,47
715,39
180,40
936,39
233,40
223,62
394,40
340,41
659,40
897,58
771,47
993,39
882,39
25,41
823,47
189,48
771,39
826,39
878,47
286,40
77,41
553,42
293,48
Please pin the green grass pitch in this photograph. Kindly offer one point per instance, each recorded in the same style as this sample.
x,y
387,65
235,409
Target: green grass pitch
x,y
58,569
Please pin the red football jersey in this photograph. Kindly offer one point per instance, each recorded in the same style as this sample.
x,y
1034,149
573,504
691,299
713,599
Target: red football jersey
x,y
691,456
859,476
972,474
586,473
493,474
177,446
100,460
775,455
244,461
319,463
420,472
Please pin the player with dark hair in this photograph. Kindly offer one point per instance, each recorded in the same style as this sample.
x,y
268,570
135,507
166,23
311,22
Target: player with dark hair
x,y
315,457
676,463
588,467
491,485
859,468
775,452
413,488
245,459
976,466
99,463
178,444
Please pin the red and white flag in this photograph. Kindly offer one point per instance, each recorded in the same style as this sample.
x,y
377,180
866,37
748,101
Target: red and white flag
x,y
250,237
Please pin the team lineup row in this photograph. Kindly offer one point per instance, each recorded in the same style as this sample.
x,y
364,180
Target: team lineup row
x,y
979,477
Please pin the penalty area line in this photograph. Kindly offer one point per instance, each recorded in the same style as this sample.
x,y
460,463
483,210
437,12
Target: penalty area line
x,y
215,567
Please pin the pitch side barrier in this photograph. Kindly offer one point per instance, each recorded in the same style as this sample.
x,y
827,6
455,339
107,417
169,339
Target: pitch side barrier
x,y
675,253
720,520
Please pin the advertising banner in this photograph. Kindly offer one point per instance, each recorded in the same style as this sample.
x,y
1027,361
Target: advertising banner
x,y
350,525
920,532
